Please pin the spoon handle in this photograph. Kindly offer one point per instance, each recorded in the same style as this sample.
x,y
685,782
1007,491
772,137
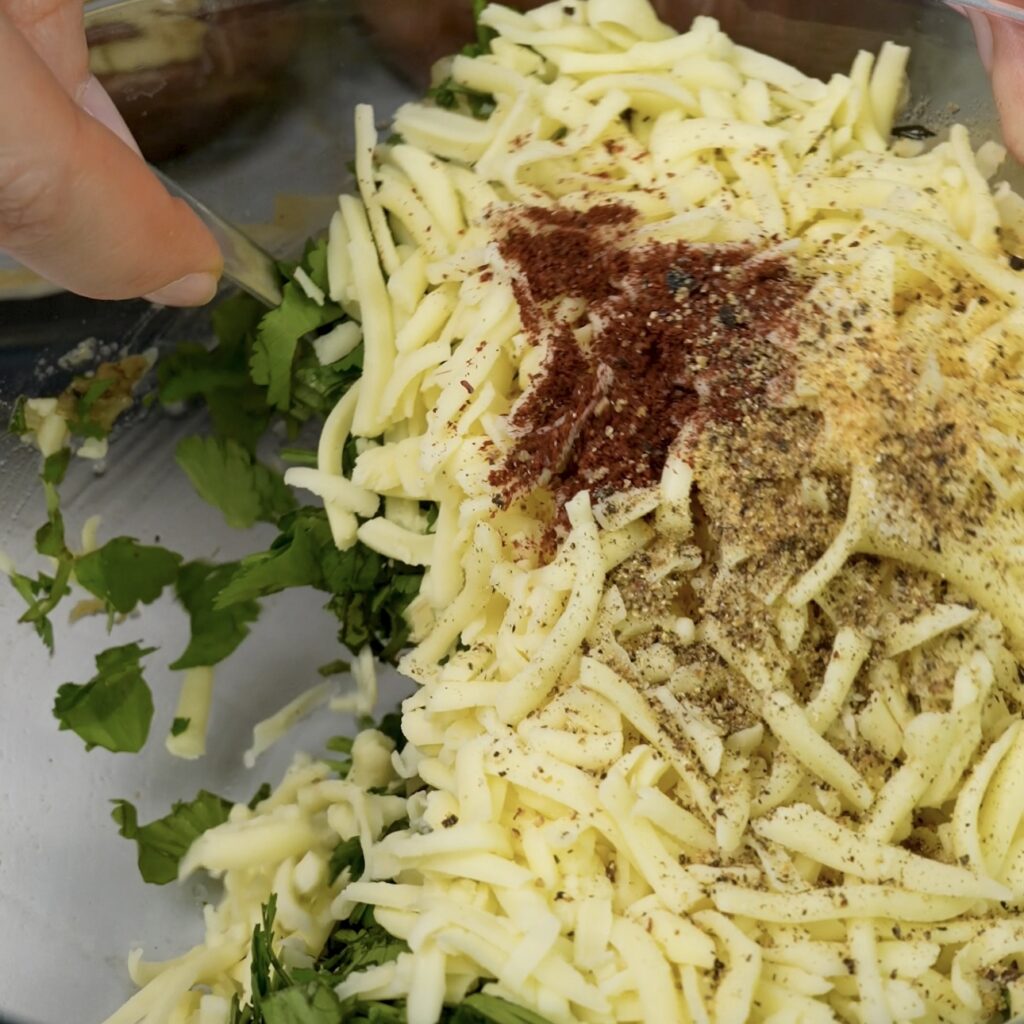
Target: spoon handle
x,y
245,263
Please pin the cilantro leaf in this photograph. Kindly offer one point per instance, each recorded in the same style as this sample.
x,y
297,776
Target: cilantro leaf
x,y
92,404
267,973
16,424
124,573
450,95
179,725
162,843
43,593
114,709
481,1009
314,1004
83,424
315,260
216,632
347,854
317,389
337,667
369,593
50,536
228,477
293,560
219,376
259,796
277,339
352,949
35,592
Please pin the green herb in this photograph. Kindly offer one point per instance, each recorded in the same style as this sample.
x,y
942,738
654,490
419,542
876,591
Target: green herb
x,y
124,573
317,389
484,35
337,667
481,1009
16,424
50,536
391,726
298,456
355,949
219,376
340,765
36,593
451,95
369,593
82,423
216,632
259,796
114,709
316,1004
305,996
281,329
227,476
179,725
162,843
45,592
347,855
267,973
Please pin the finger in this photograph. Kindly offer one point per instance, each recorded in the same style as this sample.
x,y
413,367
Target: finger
x,y
55,29
78,206
1007,67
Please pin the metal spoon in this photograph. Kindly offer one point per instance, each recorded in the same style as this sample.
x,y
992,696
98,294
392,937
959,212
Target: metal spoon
x,y
245,263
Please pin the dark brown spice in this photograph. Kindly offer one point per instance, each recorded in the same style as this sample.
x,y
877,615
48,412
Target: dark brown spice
x,y
680,335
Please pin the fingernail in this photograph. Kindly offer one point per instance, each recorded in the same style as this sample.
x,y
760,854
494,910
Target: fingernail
x,y
96,102
190,290
983,36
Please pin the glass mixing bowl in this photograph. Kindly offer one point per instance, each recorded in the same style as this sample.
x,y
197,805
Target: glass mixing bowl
x,y
251,102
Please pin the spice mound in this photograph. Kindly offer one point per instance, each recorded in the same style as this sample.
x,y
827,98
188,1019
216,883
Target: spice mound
x,y
645,342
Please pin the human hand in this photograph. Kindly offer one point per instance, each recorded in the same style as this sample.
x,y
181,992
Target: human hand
x,y
77,203
1001,45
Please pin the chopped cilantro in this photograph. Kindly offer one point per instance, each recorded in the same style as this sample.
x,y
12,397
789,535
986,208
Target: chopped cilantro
x,y
114,709
484,35
311,1004
219,376
91,405
482,1009
36,594
216,632
124,573
162,843
281,329
369,593
348,854
259,796
16,424
317,389
298,456
82,424
451,95
179,725
227,476
337,667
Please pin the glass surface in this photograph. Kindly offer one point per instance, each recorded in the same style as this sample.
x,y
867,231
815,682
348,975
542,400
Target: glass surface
x,y
71,901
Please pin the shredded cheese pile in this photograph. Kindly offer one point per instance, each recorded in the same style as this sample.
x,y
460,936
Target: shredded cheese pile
x,y
747,747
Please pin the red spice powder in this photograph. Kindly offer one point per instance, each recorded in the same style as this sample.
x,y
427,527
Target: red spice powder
x,y
681,335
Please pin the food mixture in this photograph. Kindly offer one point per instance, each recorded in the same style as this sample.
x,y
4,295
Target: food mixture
x,y
670,412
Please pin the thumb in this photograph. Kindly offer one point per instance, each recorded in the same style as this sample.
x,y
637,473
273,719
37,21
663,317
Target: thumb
x,y
78,205
1001,45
